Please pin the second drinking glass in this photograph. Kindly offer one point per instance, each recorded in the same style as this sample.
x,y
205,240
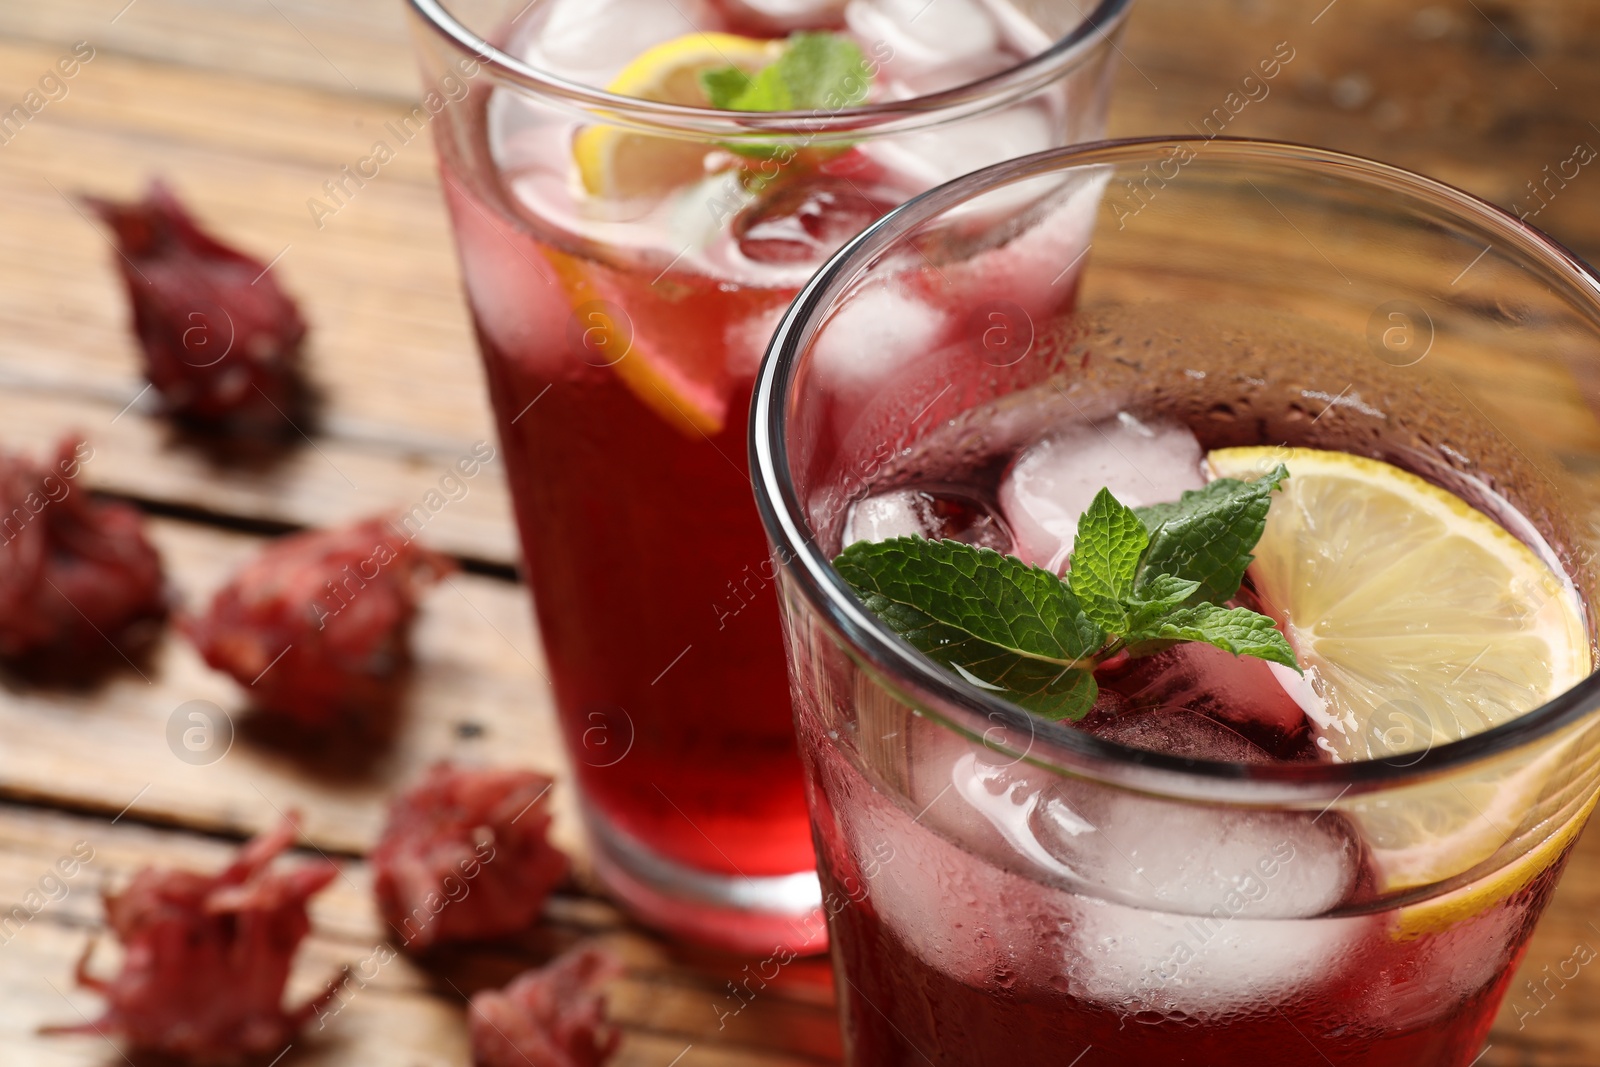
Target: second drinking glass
x,y
627,251
1050,838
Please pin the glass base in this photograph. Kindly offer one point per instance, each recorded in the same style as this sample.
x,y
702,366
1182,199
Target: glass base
x,y
750,916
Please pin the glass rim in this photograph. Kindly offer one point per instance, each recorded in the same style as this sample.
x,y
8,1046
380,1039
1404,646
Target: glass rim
x,y
871,641
896,116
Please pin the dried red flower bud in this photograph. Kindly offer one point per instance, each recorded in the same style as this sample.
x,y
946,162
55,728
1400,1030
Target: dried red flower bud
x,y
550,1017
221,340
74,571
207,956
316,624
465,855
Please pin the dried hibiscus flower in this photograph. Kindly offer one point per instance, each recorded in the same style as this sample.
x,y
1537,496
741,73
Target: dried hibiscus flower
x,y
221,340
207,956
550,1017
316,624
465,855
75,572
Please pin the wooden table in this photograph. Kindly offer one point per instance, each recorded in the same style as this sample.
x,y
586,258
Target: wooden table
x,y
248,106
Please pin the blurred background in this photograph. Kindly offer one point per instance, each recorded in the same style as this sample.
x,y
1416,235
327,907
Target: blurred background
x,y
247,108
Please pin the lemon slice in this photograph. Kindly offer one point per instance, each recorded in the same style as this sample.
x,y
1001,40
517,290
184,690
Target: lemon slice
x,y
653,347
1419,620
658,354
621,163
1422,620
1444,911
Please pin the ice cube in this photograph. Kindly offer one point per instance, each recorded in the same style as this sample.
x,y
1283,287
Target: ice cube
x,y
878,330
1180,911
1240,692
1177,732
805,220
924,34
1131,902
1146,851
799,10
1198,911
923,160
1040,230
1202,968
1192,859
934,514
747,340
1141,850
962,916
1052,483
767,18
590,41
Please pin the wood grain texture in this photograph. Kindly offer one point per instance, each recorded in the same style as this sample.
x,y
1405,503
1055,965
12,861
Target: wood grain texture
x,y
248,106
389,345
477,666
356,47
408,1015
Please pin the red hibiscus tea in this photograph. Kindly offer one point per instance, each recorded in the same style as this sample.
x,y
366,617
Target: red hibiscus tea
x,y
624,277
1207,681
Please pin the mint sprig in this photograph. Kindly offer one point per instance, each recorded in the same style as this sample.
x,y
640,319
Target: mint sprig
x,y
996,599
1207,536
1110,542
1140,580
815,70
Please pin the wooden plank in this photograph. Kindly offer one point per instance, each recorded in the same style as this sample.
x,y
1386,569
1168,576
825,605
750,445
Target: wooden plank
x,y
477,695
250,105
666,1002
409,1014
1421,84
337,479
133,98
390,343
1481,96
389,347
356,46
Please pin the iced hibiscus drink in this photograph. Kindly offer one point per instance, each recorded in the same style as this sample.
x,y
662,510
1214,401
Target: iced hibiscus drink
x,y
1192,936
1206,681
625,269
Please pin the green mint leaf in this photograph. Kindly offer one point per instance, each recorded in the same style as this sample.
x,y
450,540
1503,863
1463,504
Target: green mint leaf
x,y
1165,589
1105,560
1041,686
1161,595
1208,535
1066,694
1140,580
1237,630
815,70
822,70
999,600
724,85
766,90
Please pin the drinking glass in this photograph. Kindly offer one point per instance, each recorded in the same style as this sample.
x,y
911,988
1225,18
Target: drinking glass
x,y
621,328
1004,889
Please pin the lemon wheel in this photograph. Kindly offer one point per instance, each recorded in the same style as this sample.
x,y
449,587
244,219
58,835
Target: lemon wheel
x,y
1419,621
682,383
616,162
